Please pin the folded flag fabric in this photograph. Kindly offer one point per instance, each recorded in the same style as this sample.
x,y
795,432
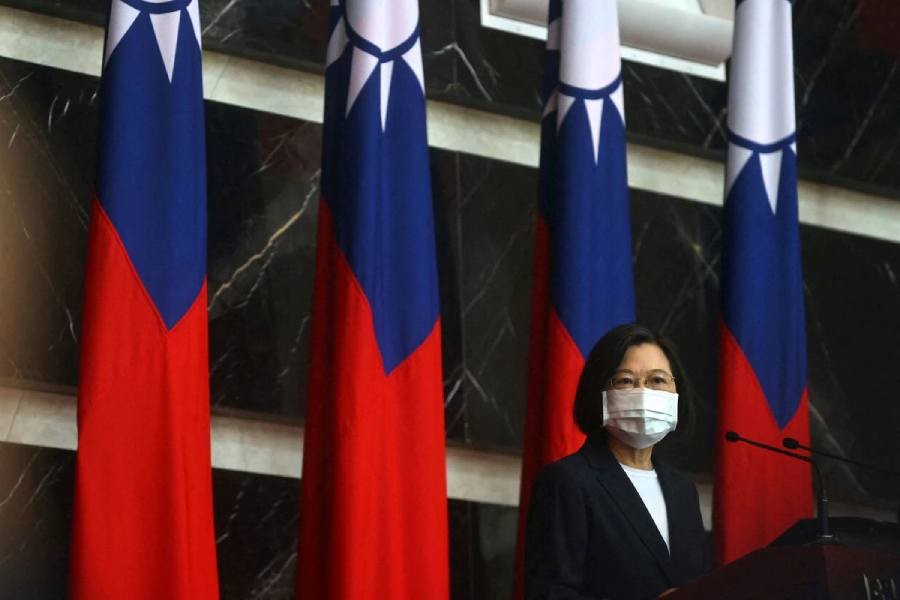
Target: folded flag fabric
x,y
374,496
762,351
143,518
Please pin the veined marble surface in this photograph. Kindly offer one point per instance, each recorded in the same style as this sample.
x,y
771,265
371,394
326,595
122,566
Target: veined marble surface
x,y
263,190
846,74
256,524
263,196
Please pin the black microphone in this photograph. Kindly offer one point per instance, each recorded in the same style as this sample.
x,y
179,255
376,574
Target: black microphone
x,y
823,536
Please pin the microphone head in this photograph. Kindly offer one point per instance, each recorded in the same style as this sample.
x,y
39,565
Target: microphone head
x,y
790,443
732,436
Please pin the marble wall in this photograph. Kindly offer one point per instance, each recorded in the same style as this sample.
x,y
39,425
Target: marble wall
x,y
256,521
846,58
263,188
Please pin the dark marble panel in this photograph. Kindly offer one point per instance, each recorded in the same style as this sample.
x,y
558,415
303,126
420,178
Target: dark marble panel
x,y
498,208
445,186
848,89
673,109
482,549
263,202
257,520
440,50
676,271
256,523
35,510
281,31
853,322
47,124
492,69
84,11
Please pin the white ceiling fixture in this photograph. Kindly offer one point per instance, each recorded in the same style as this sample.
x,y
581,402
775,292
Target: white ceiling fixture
x,y
691,36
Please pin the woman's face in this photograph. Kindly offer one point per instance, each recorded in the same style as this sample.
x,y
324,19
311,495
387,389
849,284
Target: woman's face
x,y
644,365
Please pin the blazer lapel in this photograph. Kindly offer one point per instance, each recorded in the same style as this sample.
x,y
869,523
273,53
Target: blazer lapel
x,y
676,510
620,489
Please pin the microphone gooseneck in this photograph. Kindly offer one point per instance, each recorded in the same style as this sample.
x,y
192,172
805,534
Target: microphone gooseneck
x,y
824,536
794,444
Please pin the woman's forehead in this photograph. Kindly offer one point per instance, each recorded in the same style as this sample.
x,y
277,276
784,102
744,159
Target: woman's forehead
x,y
644,357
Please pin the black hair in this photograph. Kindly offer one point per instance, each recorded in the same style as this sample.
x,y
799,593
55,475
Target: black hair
x,y
601,364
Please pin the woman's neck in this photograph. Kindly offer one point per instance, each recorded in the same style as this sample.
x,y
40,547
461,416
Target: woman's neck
x,y
638,458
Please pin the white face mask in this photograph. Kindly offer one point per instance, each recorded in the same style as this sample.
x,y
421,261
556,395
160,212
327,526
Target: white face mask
x,y
639,417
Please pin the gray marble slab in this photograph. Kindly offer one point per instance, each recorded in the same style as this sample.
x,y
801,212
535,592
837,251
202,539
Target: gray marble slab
x,y
256,525
263,174
846,74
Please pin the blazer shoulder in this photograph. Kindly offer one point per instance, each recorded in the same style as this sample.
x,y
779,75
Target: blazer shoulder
x,y
568,471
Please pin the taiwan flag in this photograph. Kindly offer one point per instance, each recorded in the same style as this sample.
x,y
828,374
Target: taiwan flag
x,y
373,520
143,518
583,282
762,353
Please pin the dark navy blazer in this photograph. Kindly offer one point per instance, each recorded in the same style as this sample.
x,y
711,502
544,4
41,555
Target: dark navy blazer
x,y
589,535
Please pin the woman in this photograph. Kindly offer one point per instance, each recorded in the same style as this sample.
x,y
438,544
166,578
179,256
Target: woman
x,y
611,520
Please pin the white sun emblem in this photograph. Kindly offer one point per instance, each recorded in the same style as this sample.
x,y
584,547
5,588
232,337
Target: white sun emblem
x,y
761,92
165,27
587,37
386,26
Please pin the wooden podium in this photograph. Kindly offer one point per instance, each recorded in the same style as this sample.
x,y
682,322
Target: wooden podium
x,y
814,572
